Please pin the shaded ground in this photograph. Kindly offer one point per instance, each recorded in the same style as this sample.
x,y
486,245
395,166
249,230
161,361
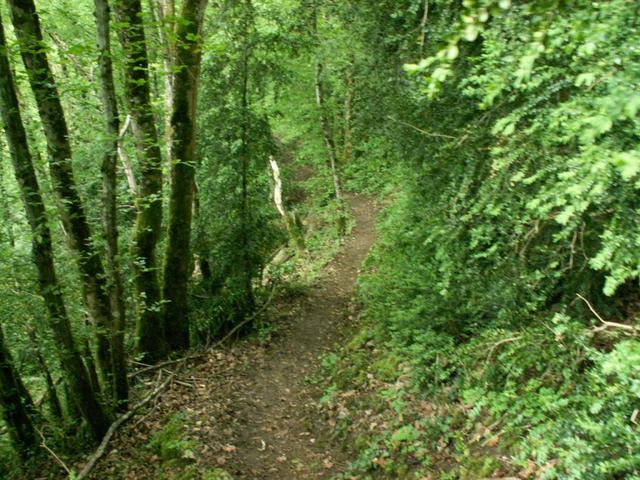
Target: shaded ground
x,y
248,409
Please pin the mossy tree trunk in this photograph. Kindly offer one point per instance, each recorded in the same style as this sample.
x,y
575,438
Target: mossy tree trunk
x,y
152,340
178,261
32,48
71,362
52,394
15,403
109,202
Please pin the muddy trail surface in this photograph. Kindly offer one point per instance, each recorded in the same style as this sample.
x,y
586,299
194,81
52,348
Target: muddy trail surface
x,y
248,409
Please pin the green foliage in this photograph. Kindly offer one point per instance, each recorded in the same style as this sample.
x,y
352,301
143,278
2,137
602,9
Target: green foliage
x,y
512,169
170,443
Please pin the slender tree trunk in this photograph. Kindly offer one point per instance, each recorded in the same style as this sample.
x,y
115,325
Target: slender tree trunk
x,y
70,359
167,32
177,265
52,394
291,220
124,158
325,127
32,48
152,341
347,145
15,403
7,217
109,200
327,134
245,157
90,365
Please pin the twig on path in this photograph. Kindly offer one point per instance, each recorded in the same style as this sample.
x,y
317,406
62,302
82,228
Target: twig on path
x,y
161,365
99,453
53,454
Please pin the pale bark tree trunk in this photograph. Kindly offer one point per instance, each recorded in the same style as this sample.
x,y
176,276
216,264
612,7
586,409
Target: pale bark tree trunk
x,y
75,372
167,31
109,200
32,48
124,158
325,126
327,134
290,219
152,340
178,261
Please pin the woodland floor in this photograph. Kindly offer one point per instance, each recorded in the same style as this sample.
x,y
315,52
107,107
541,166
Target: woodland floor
x,y
248,408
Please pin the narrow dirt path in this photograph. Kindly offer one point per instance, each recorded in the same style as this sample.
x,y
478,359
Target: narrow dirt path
x,y
273,435
247,409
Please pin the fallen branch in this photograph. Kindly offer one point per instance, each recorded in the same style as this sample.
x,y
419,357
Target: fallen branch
x,y
424,132
158,366
53,454
501,342
605,323
99,453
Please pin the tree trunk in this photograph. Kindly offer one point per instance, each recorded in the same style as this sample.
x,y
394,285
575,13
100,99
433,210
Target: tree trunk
x,y
33,51
15,403
347,143
177,265
109,200
52,394
167,34
325,126
327,134
152,341
70,359
291,221
7,216
124,158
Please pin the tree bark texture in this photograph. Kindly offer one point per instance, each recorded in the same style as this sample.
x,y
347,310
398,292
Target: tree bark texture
x,y
109,201
291,220
150,332
52,394
71,362
32,48
177,263
15,403
327,134
167,34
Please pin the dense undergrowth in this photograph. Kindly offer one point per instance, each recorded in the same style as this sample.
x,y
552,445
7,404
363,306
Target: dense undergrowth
x,y
549,400
499,333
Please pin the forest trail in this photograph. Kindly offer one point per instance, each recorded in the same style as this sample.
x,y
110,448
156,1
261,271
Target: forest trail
x,y
250,410
274,405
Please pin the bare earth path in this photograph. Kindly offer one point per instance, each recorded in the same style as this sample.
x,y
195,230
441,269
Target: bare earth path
x,y
247,408
274,437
